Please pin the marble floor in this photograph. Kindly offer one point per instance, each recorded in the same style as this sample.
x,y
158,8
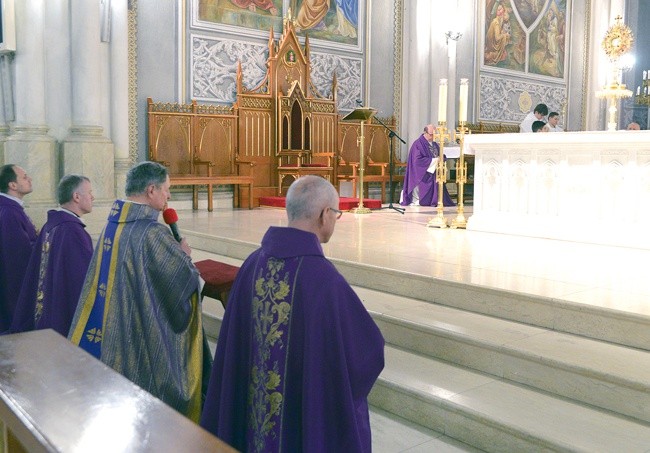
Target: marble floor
x,y
607,277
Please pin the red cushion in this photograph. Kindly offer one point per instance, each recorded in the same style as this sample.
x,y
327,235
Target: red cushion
x,y
314,165
218,277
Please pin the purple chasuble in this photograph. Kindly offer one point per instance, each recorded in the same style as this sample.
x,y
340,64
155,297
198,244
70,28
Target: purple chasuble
x,y
17,239
297,354
55,275
420,157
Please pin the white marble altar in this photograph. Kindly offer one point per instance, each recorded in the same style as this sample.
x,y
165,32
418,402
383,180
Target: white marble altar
x,y
578,186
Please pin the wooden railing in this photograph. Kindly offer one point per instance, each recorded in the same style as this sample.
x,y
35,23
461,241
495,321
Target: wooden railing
x,y
54,397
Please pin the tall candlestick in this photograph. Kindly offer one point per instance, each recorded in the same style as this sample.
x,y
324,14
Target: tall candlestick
x,y
462,102
442,102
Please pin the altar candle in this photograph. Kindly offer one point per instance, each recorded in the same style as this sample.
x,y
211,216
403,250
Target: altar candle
x,y
645,75
638,90
462,102
442,102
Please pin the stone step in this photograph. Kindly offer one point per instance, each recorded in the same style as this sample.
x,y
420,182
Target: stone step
x,y
496,415
601,323
606,375
548,370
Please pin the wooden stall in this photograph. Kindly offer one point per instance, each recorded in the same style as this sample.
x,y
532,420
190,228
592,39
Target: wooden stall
x,y
274,133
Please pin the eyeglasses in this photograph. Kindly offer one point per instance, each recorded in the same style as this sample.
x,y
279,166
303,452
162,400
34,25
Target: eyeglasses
x,y
338,213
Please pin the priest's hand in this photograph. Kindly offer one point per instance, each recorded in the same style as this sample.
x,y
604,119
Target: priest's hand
x,y
185,247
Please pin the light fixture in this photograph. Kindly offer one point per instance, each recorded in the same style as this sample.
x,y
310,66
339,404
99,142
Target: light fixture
x,y
453,35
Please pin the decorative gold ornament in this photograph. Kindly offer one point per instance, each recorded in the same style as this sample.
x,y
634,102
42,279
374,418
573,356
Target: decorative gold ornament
x,y
618,39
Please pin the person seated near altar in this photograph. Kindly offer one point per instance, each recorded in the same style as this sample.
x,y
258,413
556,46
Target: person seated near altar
x,y
553,120
539,126
420,184
541,110
633,126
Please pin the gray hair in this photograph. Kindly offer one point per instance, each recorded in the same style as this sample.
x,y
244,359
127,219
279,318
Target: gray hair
x,y
68,186
308,196
143,175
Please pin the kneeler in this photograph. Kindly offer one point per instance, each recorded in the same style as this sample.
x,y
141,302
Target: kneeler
x,y
218,277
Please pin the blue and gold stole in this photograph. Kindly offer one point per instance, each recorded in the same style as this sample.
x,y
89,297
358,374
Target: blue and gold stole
x,y
89,330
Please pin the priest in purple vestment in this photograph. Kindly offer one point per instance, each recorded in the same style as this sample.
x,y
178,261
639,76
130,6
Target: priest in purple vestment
x,y
58,265
420,184
17,238
139,311
298,352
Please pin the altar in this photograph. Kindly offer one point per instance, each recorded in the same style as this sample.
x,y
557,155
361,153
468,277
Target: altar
x,y
576,186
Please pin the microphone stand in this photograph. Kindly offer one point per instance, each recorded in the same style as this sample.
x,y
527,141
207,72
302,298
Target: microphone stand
x,y
391,134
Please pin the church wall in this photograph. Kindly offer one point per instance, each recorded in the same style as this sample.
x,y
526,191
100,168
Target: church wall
x,y
157,60
381,57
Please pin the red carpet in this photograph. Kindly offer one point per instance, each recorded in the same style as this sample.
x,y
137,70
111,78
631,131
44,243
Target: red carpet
x,y
345,204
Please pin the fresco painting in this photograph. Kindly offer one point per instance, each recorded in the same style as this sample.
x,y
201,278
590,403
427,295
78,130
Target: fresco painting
x,y
330,20
254,14
547,42
334,21
526,36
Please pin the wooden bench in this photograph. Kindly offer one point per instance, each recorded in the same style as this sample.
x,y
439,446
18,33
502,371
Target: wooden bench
x,y
197,180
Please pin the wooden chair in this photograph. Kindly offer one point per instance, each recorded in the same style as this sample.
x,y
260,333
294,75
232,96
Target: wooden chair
x,y
297,163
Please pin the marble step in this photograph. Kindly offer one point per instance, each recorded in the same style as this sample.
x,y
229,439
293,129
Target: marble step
x,y
606,375
602,323
496,415
579,368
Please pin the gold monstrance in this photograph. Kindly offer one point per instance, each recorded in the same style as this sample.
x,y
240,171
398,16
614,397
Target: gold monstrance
x,y
617,42
363,114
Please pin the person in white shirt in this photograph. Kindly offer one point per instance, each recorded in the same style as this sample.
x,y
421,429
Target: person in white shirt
x,y
541,110
553,120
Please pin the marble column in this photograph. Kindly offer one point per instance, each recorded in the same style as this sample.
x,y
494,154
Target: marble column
x,y
6,103
30,146
120,90
86,150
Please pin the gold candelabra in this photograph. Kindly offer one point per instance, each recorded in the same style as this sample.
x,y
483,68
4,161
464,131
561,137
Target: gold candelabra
x,y
461,176
440,136
643,92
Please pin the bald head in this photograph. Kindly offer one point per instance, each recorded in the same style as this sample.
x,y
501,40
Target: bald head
x,y
310,201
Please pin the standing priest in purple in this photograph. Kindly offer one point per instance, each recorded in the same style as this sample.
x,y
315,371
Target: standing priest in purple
x,y
420,184
58,265
297,353
17,238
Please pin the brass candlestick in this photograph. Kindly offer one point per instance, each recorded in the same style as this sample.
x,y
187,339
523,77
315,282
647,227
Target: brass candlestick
x,y
361,209
441,135
461,177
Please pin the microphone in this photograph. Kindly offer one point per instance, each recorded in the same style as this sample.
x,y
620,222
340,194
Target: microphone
x,y
170,217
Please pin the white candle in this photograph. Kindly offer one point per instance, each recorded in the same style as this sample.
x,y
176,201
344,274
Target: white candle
x,y
638,90
462,102
645,75
442,102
